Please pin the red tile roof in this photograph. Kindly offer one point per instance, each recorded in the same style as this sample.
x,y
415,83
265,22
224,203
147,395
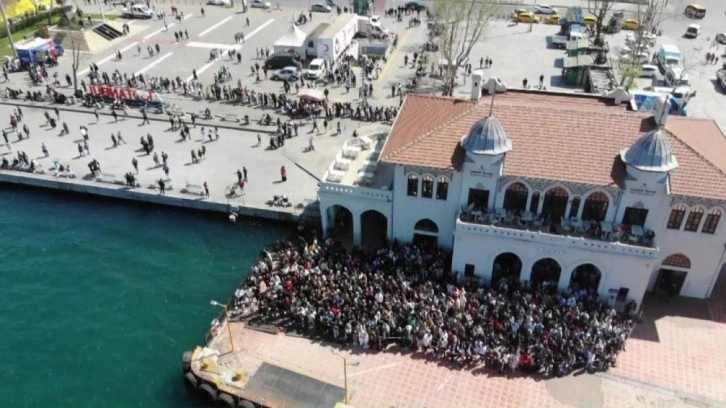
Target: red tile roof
x,y
572,138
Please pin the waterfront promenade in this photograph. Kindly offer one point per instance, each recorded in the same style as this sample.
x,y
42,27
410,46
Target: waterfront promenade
x,y
673,359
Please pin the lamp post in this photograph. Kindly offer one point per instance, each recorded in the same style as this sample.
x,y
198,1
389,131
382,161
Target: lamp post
x,y
7,28
229,322
345,374
100,7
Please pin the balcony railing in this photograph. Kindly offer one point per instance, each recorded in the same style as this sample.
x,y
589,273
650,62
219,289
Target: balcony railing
x,y
530,230
356,191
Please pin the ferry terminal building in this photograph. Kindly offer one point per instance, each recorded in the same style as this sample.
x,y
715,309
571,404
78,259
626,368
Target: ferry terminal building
x,y
555,189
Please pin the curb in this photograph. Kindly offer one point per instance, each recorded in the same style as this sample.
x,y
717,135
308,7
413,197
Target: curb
x,y
66,108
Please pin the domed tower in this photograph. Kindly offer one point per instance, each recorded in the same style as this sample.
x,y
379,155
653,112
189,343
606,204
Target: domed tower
x,y
486,138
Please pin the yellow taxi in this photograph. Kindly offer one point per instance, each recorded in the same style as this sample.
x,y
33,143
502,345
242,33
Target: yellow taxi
x,y
527,17
630,24
552,19
695,11
589,21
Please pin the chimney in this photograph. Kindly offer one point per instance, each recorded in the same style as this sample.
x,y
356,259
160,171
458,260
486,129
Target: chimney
x,y
476,82
662,107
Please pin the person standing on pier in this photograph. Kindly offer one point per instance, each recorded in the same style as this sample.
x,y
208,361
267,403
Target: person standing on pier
x,y
206,189
135,163
44,148
283,174
162,187
239,176
145,118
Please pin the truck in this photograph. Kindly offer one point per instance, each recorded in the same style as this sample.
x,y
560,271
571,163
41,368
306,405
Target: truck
x,y
571,32
137,11
373,27
329,41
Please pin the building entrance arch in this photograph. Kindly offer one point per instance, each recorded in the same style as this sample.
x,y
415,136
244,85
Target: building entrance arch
x,y
507,266
586,276
374,229
546,275
340,224
426,233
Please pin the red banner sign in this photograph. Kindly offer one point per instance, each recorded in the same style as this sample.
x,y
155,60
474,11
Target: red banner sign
x,y
116,92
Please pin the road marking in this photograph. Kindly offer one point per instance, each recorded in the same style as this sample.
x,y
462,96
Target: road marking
x,y
109,58
155,63
374,369
146,37
213,45
393,56
215,26
248,36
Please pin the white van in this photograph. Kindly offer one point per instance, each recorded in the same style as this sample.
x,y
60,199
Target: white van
x,y
669,56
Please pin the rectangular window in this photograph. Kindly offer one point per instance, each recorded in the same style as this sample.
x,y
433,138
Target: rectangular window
x,y
469,270
635,216
478,199
676,218
693,220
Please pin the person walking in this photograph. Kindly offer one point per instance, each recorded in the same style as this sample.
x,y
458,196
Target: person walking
x,y
166,170
95,113
206,189
283,174
145,118
244,172
239,176
162,187
115,116
135,163
44,148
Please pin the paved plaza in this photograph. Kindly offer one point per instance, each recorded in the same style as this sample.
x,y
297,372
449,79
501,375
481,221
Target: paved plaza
x,y
673,359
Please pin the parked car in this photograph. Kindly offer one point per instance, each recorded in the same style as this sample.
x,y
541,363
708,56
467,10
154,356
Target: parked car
x,y
280,61
316,69
721,38
415,5
261,4
553,19
544,9
219,2
649,71
286,74
517,12
589,21
321,8
693,31
630,24
527,17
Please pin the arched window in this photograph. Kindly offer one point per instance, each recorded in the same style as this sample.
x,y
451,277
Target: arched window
x,y
427,187
596,207
555,203
426,225
515,198
676,218
412,188
711,223
442,188
678,260
694,219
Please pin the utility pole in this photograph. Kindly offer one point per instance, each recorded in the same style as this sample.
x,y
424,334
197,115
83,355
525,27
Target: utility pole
x,y
100,7
7,29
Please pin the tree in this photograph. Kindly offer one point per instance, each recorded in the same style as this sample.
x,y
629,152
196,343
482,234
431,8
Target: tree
x,y
76,54
599,9
462,24
648,16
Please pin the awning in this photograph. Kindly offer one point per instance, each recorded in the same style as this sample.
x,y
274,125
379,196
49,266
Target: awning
x,y
311,94
579,61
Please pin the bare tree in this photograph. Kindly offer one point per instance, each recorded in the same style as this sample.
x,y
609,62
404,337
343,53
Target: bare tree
x,y
462,24
76,54
648,16
599,9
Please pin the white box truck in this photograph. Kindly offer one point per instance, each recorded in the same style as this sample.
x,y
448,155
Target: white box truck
x,y
329,40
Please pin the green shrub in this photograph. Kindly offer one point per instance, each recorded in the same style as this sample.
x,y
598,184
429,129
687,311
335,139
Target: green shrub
x,y
33,19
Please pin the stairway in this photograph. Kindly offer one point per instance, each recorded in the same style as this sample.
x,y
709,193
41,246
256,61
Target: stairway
x,y
68,37
107,32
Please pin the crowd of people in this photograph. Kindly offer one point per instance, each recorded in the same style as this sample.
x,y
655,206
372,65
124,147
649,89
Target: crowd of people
x,y
402,295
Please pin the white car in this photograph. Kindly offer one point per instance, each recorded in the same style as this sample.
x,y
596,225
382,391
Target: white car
x,y
261,4
321,8
544,9
649,71
693,31
721,38
287,74
316,69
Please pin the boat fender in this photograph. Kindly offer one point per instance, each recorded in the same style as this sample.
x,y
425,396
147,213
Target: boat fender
x,y
190,380
245,404
226,400
213,331
209,391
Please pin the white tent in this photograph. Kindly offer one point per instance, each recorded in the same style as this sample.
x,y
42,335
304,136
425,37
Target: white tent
x,y
294,38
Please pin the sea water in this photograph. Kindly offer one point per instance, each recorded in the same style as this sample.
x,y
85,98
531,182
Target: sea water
x,y
99,298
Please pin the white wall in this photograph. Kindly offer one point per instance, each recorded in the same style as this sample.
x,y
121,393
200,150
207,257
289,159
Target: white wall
x,y
407,211
617,271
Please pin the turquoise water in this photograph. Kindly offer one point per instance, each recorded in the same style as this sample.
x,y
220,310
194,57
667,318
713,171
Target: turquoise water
x,y
99,299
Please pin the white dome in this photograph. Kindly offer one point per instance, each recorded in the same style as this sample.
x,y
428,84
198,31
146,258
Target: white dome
x,y
651,152
486,137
